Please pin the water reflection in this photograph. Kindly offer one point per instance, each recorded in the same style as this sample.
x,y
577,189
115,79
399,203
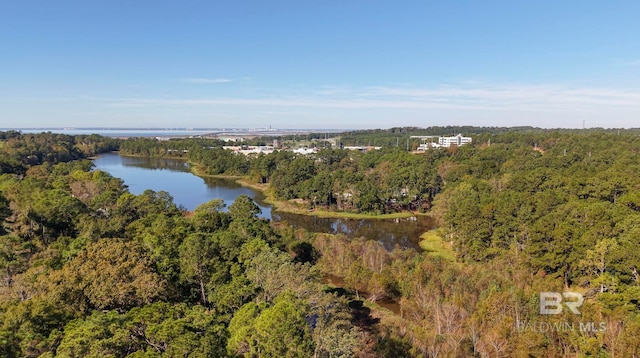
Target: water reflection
x,y
177,165
404,233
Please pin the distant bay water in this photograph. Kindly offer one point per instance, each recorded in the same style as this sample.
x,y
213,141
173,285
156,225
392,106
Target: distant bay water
x,y
120,132
175,132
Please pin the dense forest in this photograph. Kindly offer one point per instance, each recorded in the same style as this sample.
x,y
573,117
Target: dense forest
x,y
21,151
90,270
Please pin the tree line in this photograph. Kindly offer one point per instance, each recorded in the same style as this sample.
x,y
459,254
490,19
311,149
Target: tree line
x,y
20,151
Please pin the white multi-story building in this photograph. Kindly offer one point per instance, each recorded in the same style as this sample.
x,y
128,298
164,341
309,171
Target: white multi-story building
x,y
457,140
442,142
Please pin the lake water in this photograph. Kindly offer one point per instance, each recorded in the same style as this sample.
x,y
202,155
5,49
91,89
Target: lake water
x,y
174,177
189,191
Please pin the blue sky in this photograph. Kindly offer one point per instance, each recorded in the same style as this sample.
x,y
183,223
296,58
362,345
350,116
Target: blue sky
x,y
319,64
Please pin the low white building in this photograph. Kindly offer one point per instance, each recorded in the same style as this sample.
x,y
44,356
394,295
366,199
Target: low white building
x,y
265,149
362,148
305,150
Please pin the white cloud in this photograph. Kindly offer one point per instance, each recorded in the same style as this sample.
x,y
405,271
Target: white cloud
x,y
516,97
207,81
473,103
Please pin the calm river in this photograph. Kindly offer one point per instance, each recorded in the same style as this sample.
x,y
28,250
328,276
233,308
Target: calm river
x,y
189,191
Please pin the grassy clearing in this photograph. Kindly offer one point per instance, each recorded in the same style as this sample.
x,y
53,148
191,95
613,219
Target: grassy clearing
x,y
347,215
433,243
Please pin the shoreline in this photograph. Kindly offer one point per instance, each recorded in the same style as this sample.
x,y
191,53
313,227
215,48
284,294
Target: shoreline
x,y
286,206
294,208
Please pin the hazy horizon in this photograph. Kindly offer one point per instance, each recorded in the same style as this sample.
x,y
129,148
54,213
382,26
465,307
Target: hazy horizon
x,y
354,65
267,129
